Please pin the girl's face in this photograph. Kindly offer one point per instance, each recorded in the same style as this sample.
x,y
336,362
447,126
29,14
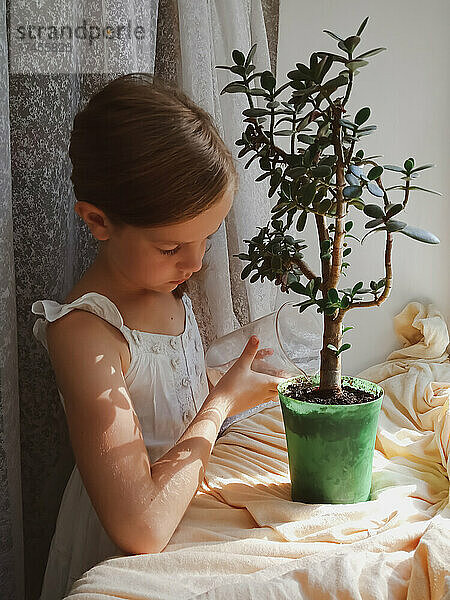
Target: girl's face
x,y
159,258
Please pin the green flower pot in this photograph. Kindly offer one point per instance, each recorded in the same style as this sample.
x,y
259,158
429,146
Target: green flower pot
x,y
330,447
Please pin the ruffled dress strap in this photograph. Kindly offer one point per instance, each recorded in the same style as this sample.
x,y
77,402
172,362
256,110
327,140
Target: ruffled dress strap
x,y
92,302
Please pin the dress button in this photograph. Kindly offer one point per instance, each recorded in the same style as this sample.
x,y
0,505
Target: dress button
x,y
185,381
175,362
186,416
173,342
156,348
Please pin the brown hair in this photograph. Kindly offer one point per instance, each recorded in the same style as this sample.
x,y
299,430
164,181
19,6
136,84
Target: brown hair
x,y
146,155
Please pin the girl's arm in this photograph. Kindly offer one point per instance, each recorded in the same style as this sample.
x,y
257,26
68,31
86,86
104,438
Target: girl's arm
x,y
139,504
180,471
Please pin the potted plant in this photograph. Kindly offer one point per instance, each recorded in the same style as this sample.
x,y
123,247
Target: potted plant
x,y
330,419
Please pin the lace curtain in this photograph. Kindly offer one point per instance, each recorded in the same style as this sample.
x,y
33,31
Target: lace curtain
x,y
45,247
234,24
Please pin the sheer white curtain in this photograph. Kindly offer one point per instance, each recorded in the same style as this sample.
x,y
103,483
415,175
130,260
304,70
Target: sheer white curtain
x,y
209,32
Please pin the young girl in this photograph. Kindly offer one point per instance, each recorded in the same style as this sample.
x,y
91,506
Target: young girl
x,y
153,181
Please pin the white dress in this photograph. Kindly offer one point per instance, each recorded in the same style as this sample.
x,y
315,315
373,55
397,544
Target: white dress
x,y
168,385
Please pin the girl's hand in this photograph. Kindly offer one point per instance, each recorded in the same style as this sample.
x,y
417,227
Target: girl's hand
x,y
260,365
243,387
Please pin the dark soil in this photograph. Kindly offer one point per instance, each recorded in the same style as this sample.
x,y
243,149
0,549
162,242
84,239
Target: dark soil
x,y
349,395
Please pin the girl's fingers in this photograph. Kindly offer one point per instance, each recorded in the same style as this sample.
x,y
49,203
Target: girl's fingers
x,y
264,352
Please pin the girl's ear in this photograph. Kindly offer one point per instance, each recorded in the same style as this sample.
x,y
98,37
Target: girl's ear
x,y
95,219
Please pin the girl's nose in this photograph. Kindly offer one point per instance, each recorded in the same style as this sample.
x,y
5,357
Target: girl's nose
x,y
192,260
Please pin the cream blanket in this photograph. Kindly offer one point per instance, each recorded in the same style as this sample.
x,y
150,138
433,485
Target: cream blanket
x,y
243,538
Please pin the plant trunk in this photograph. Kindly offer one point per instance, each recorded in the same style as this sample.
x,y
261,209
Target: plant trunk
x,y
330,362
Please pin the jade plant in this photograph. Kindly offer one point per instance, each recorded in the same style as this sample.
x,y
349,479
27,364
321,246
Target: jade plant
x,y
324,175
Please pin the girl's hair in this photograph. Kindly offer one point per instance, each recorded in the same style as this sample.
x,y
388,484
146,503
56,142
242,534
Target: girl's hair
x,y
146,155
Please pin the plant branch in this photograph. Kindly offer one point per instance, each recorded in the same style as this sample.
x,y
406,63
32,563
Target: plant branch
x,y
405,200
279,151
280,89
350,153
388,279
329,100
385,196
294,122
349,87
304,268
260,131
336,263
322,232
317,107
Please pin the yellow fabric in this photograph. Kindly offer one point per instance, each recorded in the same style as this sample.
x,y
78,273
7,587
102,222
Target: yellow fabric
x,y
243,538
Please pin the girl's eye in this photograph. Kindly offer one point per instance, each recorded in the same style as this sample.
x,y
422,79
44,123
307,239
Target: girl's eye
x,y
175,250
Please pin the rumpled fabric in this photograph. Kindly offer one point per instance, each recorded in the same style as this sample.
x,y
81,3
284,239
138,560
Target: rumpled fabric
x,y
243,538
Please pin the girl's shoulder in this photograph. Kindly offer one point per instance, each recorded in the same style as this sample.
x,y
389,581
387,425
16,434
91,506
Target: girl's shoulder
x,y
80,302
60,321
